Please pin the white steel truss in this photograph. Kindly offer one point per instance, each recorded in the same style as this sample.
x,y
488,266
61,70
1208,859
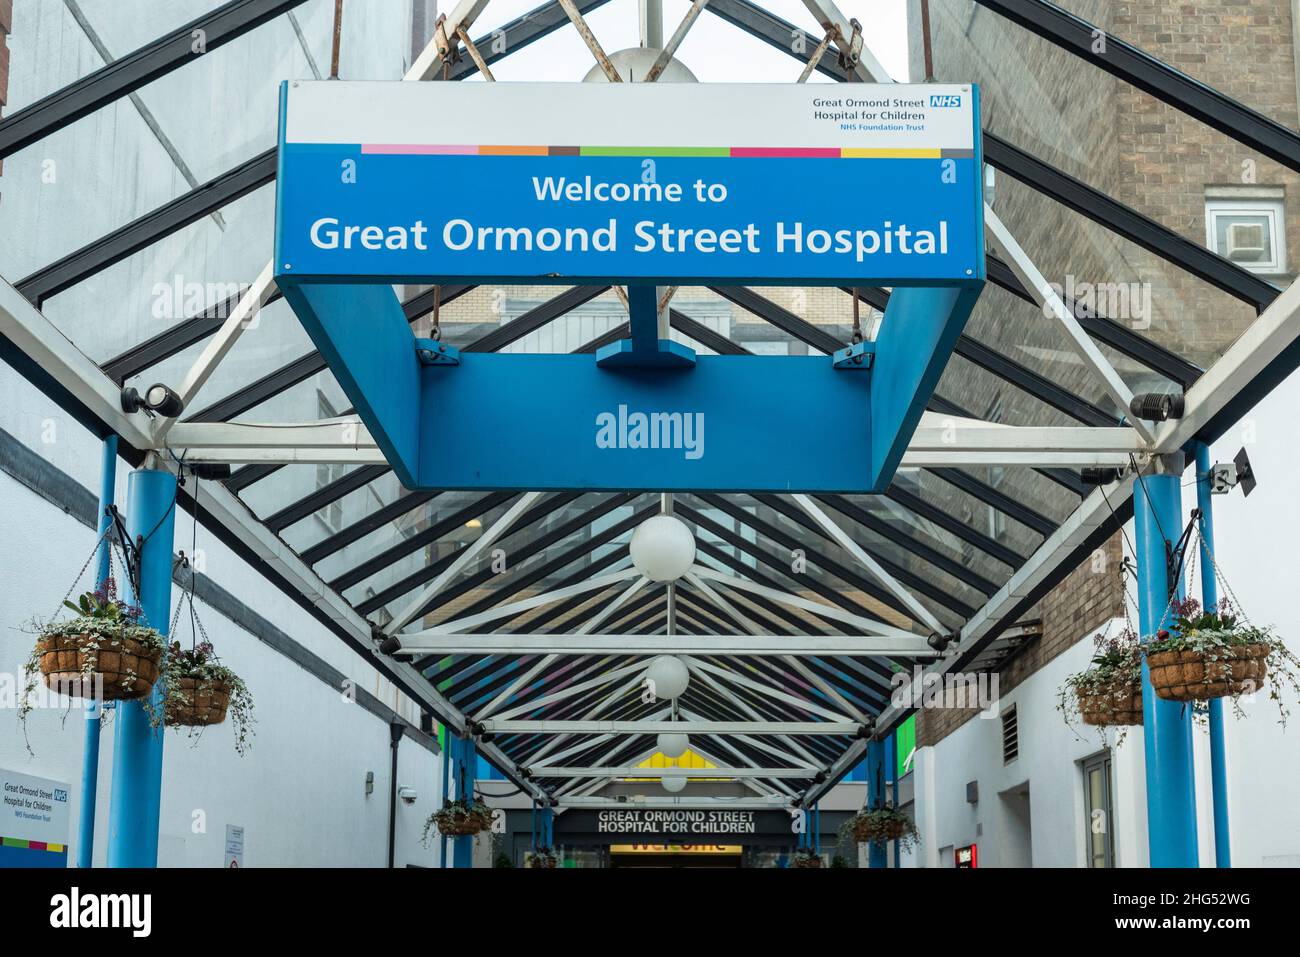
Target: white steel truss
x,y
939,441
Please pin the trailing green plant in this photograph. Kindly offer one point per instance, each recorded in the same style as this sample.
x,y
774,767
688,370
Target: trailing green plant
x,y
881,825
190,678
545,857
838,861
1108,692
458,818
502,860
1227,648
104,629
805,857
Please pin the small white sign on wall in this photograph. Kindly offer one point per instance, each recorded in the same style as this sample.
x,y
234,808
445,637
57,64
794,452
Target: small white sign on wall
x,y
234,847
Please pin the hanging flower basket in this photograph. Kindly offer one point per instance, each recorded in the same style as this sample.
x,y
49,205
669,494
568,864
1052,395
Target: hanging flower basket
x,y
805,858
1109,692
459,818
200,692
104,653
882,825
1210,654
205,702
544,857
1108,705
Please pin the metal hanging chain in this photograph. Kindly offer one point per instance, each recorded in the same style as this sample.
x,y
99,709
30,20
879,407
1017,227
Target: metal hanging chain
x,y
187,598
435,333
857,319
82,574
1219,577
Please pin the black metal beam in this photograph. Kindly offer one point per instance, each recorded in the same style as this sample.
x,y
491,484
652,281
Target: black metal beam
x,y
421,576
323,496
1041,176
1140,69
427,536
302,368
1127,222
1065,478
554,565
955,526
129,73
535,318
364,526
518,556
148,229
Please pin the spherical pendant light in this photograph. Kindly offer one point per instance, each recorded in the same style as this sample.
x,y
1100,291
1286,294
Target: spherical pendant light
x,y
673,783
667,677
663,548
673,744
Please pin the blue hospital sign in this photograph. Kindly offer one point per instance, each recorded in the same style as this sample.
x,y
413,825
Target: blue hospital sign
x,y
635,185
615,182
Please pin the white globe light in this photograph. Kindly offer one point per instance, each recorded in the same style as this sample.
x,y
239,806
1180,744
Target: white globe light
x,y
673,744
673,783
663,548
667,677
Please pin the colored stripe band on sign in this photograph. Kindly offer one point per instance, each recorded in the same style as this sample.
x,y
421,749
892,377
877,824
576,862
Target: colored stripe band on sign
x,y
742,152
32,845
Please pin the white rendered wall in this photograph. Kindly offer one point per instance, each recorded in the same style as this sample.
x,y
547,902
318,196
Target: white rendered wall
x,y
1255,546
299,793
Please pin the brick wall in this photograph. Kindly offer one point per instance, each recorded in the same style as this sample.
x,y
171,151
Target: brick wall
x,y
6,27
1073,611
1146,154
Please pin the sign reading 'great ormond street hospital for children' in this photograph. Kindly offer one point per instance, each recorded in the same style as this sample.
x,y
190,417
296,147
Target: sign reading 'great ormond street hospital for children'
x,y
33,821
617,182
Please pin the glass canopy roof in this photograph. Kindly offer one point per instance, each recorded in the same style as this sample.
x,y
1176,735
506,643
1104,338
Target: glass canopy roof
x,y
162,189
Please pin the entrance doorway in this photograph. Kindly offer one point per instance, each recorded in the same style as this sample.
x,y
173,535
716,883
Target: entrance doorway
x,y
675,855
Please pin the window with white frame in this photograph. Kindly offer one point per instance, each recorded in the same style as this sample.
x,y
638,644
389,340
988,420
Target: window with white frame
x,y
1247,225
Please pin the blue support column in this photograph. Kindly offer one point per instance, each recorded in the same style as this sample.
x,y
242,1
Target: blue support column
x,y
876,856
94,709
548,827
1210,599
466,765
1171,785
448,762
891,776
138,748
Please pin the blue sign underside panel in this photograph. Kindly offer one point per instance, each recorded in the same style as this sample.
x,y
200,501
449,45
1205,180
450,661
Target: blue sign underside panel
x,y
728,423
917,335
479,219
367,342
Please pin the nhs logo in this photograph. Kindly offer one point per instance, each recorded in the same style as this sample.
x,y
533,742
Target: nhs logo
x,y
60,795
945,99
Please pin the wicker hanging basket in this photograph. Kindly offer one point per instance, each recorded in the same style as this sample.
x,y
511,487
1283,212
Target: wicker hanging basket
x,y
1113,705
1192,675
542,858
878,831
806,860
90,665
198,702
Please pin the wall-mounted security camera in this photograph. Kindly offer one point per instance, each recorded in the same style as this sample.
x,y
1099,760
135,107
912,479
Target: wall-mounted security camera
x,y
158,398
407,794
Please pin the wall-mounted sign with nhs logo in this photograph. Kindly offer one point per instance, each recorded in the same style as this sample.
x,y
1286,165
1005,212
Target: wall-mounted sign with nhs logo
x,y
635,185
586,182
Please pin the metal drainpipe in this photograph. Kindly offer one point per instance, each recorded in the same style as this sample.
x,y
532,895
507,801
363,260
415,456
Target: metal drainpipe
x,y
394,738
94,709
1210,599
